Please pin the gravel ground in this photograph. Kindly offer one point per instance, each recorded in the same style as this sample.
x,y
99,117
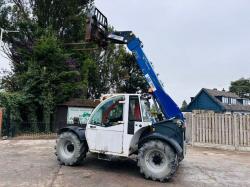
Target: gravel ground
x,y
33,163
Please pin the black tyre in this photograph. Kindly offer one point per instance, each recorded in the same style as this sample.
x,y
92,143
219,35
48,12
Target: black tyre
x,y
157,160
69,150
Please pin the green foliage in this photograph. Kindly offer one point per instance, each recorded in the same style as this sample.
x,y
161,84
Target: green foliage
x,y
46,71
116,71
4,11
66,18
12,102
184,105
241,87
131,79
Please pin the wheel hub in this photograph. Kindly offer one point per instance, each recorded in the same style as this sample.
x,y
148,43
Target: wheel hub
x,y
68,148
157,159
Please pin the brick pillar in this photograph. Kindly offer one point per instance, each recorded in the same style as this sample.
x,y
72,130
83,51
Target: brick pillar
x,y
1,121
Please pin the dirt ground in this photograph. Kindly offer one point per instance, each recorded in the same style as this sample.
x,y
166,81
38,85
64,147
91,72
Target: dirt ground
x,y
33,163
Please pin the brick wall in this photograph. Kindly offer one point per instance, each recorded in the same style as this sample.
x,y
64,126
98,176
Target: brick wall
x,y
1,121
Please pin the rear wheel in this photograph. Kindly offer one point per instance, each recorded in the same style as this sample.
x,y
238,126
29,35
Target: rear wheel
x,y
69,149
157,160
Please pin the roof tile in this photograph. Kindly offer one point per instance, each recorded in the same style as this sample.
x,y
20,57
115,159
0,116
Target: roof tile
x,y
229,107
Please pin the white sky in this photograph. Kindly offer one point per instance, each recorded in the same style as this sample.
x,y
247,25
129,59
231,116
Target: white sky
x,y
192,43
4,63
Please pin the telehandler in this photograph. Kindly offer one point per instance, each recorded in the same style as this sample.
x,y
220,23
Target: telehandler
x,y
122,125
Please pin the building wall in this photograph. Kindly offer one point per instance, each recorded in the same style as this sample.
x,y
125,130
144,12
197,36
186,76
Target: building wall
x,y
61,117
62,112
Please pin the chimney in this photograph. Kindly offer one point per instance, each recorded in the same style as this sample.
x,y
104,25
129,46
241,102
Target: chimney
x,y
223,90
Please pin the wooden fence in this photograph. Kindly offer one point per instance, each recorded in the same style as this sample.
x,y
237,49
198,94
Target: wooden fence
x,y
227,131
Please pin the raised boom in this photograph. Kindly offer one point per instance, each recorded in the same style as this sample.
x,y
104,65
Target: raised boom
x,y
97,30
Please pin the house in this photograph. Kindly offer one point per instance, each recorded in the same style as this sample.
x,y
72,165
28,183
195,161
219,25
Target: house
x,y
74,112
219,101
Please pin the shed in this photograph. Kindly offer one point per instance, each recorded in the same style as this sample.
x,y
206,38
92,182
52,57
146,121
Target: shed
x,y
74,112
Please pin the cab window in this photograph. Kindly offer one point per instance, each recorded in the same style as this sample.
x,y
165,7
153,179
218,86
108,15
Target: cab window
x,y
109,113
146,115
134,109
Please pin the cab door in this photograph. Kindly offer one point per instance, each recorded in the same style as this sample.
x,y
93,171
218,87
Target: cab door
x,y
105,128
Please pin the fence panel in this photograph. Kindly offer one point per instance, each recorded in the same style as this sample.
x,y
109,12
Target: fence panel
x,y
248,130
229,130
29,130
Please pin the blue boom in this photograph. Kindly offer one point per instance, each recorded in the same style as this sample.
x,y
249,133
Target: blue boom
x,y
168,106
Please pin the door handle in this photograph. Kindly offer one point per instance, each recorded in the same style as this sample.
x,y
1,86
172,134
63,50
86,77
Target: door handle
x,y
92,126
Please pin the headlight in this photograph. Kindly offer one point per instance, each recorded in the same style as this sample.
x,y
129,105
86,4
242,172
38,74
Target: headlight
x,y
180,123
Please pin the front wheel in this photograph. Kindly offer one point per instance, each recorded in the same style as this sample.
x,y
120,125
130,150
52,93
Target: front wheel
x,y
69,149
157,160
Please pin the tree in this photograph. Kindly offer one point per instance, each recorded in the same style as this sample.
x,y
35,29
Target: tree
x,y
184,105
11,103
241,87
131,78
47,70
115,71
40,61
34,19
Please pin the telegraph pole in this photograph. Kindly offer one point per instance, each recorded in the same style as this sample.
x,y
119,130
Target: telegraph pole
x,y
1,36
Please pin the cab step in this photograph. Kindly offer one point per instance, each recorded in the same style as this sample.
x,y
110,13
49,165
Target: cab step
x,y
103,156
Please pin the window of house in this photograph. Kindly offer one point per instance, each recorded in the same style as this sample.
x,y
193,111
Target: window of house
x,y
246,102
225,100
109,113
233,101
